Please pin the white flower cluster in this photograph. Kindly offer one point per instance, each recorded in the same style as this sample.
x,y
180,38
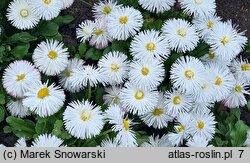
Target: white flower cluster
x,y
133,85
26,14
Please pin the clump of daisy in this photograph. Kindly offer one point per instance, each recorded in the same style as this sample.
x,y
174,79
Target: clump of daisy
x,y
157,6
85,30
104,8
150,44
156,141
112,95
198,7
21,16
50,57
198,141
138,101
157,117
43,99
83,120
241,69
187,74
121,124
19,76
181,35
47,140
149,72
114,67
16,108
46,9
67,3
64,77
124,22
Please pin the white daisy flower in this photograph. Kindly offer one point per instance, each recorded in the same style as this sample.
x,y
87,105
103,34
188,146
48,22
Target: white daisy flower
x,y
181,35
47,140
101,37
44,100
202,107
182,130
187,74
157,142
46,9
83,120
20,15
149,72
205,24
236,98
50,57
157,6
102,9
150,45
198,7
114,67
241,69
109,143
85,30
203,125
17,109
247,142
18,77
121,124
124,22
112,96
64,77
198,141
81,76
226,41
157,117
177,102
222,79
138,101
67,3
213,57
21,143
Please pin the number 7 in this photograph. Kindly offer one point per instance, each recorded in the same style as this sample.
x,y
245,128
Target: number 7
x,y
241,152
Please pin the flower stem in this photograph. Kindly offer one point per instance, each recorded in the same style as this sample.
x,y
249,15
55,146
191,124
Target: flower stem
x,y
89,91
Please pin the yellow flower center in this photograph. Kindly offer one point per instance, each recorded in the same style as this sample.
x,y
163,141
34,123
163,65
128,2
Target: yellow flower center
x,y
225,40
181,32
98,32
123,19
69,73
157,112
139,95
42,93
52,54
126,124
238,88
181,128
245,67
145,71
150,46
210,24
211,55
24,13
47,1
198,1
189,74
106,10
201,125
85,115
177,100
20,77
218,81
114,67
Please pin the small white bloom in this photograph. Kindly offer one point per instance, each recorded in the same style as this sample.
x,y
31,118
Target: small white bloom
x,y
112,96
17,109
181,35
85,30
50,57
19,76
47,140
124,22
102,9
21,143
150,45
198,141
138,101
202,107
83,120
146,74
213,57
241,69
157,6
114,67
44,100
20,15
109,143
67,3
157,142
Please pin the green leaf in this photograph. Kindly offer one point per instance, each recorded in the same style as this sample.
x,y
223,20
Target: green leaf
x,y
93,54
2,99
7,129
82,49
238,134
248,47
2,114
20,51
24,37
47,29
61,20
248,105
122,46
236,112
